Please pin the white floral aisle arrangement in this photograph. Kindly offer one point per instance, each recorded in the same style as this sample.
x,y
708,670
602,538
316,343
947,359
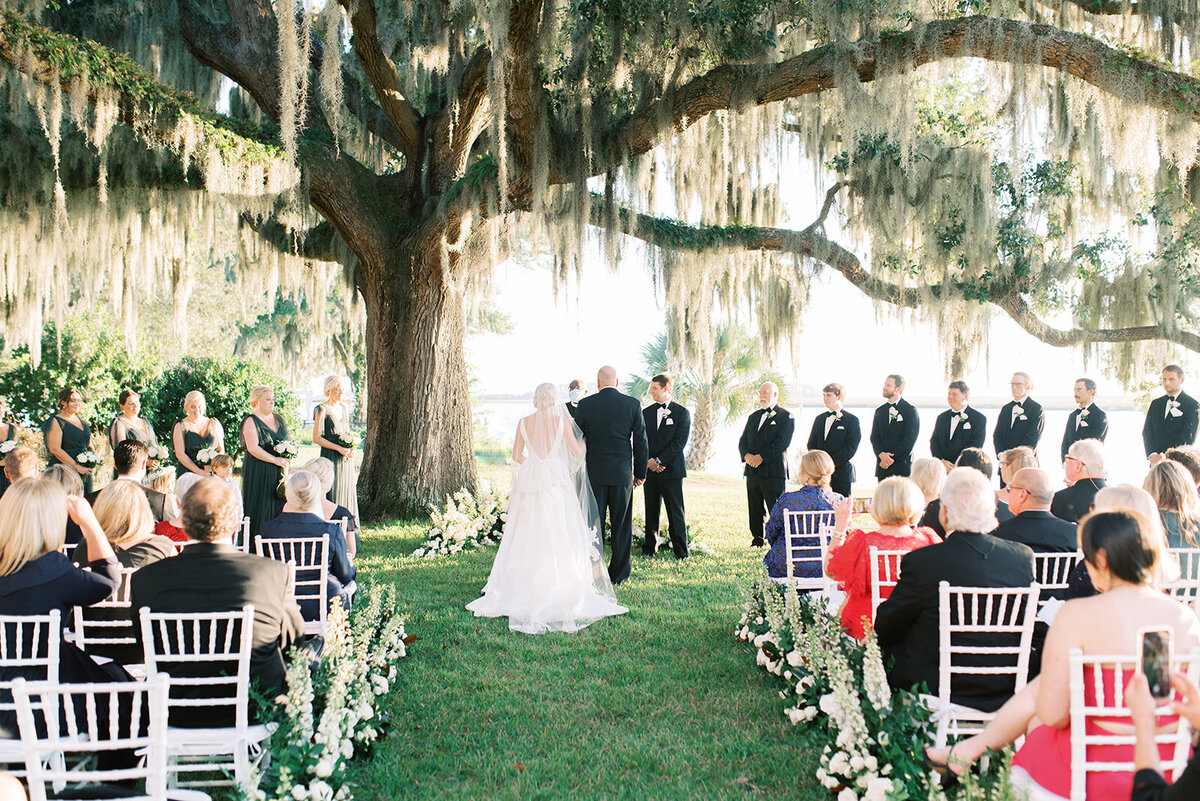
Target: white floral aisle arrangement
x,y
836,693
332,712
466,522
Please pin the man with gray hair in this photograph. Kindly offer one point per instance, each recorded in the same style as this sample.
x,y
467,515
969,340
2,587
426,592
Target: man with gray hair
x,y
907,622
1029,497
1086,472
763,446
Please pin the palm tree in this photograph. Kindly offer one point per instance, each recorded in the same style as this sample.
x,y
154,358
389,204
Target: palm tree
x,y
722,389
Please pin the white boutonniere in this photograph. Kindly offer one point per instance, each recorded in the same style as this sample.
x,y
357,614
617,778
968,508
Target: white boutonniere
x,y
837,416
962,415
666,413
770,414
1019,411
894,414
1084,413
1173,408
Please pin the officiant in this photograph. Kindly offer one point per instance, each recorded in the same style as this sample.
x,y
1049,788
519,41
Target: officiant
x,y
668,425
763,446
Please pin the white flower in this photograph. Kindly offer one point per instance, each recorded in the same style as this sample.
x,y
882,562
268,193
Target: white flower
x,y
810,712
324,769
299,792
796,715
805,682
1019,410
878,789
419,552
795,658
884,739
847,795
829,705
7,445
320,791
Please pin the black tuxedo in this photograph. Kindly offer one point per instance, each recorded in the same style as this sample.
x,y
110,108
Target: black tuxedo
x,y
572,408
930,519
1094,426
1162,431
666,443
907,622
1075,501
768,433
209,577
1026,429
895,435
1040,530
158,501
970,433
841,444
615,431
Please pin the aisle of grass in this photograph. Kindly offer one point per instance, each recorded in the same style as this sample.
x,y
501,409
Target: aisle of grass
x,y
661,703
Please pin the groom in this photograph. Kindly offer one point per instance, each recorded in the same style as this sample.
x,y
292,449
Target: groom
x,y
617,454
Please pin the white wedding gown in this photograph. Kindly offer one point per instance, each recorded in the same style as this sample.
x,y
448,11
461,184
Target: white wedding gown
x,y
549,573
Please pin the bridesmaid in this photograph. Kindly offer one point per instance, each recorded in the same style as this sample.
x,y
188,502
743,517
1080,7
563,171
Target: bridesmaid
x,y
331,420
262,469
127,425
194,433
12,433
67,435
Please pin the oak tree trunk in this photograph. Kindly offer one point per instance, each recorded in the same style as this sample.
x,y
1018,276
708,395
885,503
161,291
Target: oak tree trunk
x,y
704,428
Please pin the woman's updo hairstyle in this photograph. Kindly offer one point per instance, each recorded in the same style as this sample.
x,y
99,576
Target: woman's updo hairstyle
x,y
545,396
258,392
332,382
1125,538
64,396
125,395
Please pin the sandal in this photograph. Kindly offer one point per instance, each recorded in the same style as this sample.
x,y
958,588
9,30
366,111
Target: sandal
x,y
948,777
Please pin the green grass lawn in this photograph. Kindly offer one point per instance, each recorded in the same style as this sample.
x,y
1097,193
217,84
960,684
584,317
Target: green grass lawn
x,y
661,703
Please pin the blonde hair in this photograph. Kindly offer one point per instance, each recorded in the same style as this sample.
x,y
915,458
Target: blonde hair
x,y
257,393
1170,484
897,502
303,489
1015,459
64,477
33,522
221,460
124,513
545,396
817,466
929,475
332,382
161,481
194,396
322,468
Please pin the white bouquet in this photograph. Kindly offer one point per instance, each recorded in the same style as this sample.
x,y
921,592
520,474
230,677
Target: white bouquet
x,y
7,446
347,439
88,459
204,456
157,453
287,450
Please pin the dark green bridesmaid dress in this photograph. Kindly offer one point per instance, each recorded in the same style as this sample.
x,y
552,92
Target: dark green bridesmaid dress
x,y
75,441
193,443
10,432
260,479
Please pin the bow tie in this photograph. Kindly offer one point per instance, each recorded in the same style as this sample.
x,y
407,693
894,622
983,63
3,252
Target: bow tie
x,y
663,405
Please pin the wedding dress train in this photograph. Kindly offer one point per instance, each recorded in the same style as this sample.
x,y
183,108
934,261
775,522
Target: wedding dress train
x,y
549,573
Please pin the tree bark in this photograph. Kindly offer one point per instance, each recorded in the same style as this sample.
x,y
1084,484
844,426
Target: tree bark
x,y
419,446
704,428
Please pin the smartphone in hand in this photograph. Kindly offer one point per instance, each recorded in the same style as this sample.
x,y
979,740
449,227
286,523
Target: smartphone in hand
x,y
1154,644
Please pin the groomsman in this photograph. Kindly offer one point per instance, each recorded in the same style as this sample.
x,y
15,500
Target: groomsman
x,y
1088,421
667,427
838,434
1172,418
763,447
894,431
958,427
1021,420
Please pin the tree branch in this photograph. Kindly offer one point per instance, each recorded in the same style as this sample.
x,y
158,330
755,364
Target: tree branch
x,y
812,244
382,73
997,40
320,242
356,100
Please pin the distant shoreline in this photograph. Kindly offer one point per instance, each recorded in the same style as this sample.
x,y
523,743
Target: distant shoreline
x,y
937,402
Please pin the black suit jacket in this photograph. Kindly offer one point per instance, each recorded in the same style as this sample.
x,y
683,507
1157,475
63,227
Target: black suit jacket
x,y
158,501
969,434
210,577
770,442
572,408
615,431
1094,426
1040,530
666,443
929,518
842,442
1075,501
895,436
1161,431
907,622
1010,433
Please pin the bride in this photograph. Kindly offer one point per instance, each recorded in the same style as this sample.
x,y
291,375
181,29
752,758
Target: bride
x,y
549,573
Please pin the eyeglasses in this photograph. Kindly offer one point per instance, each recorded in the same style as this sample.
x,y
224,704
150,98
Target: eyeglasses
x,y
1072,459
1012,488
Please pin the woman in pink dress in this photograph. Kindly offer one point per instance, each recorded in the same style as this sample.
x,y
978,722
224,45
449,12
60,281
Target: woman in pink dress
x,y
896,506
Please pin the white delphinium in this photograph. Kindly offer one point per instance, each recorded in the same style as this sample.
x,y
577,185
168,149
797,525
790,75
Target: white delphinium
x,y
875,676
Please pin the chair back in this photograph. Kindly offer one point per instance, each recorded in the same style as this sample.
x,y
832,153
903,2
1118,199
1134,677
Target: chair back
x,y
884,573
29,643
1097,690
984,631
311,558
109,623
86,719
1052,571
241,537
806,537
207,657
1189,562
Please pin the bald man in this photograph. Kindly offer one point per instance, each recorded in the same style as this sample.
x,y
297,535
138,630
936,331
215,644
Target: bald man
x,y
763,446
617,453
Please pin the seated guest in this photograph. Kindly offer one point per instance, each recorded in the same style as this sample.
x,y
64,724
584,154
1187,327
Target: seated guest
x,y
896,505
1189,460
129,462
128,524
35,578
1126,497
1120,552
1085,471
1148,781
222,468
929,475
979,460
72,484
1012,461
1170,485
1030,495
173,529
816,470
907,622
163,481
21,462
212,575
304,494
322,468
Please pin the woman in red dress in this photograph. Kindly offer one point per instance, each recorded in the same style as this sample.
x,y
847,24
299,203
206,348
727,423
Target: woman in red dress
x,y
896,506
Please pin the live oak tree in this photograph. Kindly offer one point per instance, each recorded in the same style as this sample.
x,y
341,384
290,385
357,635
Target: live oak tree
x,y
1031,158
